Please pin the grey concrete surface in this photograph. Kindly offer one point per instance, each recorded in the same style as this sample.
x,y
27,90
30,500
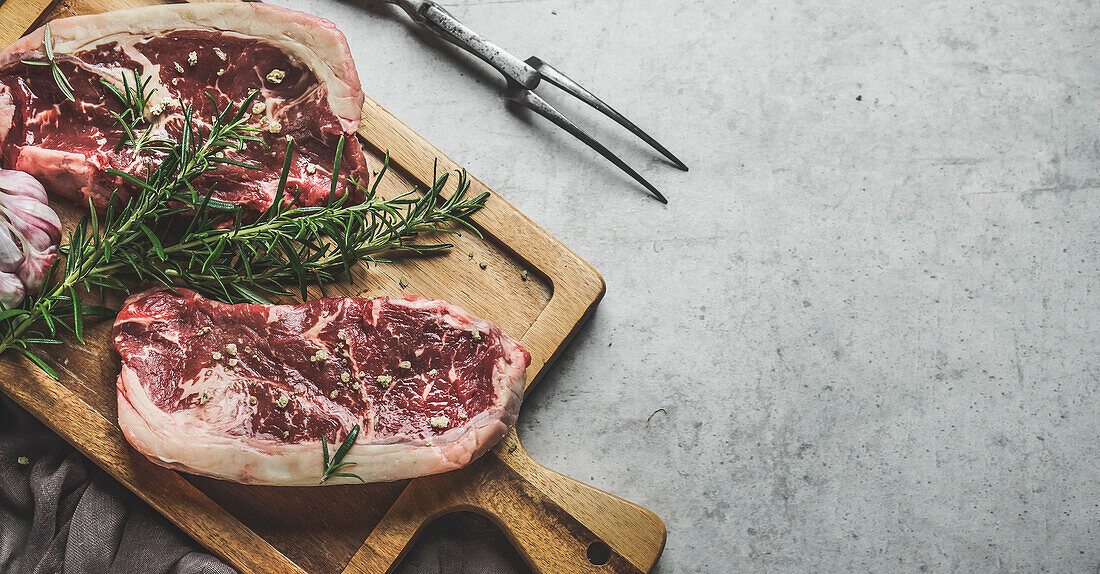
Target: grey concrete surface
x,y
870,310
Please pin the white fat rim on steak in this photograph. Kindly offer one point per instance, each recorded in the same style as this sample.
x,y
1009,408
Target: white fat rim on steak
x,y
314,41
180,440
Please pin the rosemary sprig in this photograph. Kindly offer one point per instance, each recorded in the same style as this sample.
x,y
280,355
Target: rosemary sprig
x,y
336,462
296,245
135,99
58,76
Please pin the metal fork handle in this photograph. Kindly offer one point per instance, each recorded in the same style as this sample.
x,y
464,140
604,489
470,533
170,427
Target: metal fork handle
x,y
449,28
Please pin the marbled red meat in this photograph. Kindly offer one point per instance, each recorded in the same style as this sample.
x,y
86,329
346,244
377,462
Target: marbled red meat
x,y
245,392
308,90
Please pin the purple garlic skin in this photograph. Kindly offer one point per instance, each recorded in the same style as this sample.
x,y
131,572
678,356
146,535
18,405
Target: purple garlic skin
x,y
29,235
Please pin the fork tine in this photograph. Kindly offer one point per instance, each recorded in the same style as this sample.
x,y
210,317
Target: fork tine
x,y
554,76
531,100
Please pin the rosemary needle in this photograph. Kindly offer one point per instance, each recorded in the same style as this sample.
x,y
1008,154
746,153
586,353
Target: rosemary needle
x,y
58,76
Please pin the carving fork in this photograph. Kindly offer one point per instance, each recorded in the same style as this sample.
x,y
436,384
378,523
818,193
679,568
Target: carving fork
x,y
525,75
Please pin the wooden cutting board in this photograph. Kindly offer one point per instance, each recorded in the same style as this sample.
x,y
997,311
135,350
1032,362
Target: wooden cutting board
x,y
557,524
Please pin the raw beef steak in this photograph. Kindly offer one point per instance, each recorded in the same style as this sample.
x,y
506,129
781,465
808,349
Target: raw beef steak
x,y
301,65
245,392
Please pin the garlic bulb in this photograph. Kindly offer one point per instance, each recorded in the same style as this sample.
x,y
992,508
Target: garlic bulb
x,y
29,234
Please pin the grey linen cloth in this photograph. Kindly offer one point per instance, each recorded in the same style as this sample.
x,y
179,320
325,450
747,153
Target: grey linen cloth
x,y
59,513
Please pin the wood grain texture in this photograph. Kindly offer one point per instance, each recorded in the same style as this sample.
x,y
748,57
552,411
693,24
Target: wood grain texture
x,y
19,16
551,519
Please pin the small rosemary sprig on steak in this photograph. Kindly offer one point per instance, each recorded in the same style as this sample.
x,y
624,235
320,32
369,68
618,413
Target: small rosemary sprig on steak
x,y
58,76
173,233
331,465
135,99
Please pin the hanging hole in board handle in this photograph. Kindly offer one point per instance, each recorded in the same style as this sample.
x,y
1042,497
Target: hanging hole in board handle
x,y
599,553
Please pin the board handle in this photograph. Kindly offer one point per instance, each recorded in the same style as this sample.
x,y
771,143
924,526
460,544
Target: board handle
x,y
558,525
